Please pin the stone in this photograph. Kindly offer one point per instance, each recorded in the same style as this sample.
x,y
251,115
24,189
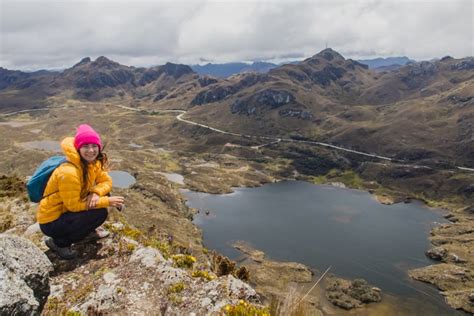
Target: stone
x,y
239,289
103,298
471,297
24,276
437,253
32,229
149,257
206,302
171,275
110,278
455,258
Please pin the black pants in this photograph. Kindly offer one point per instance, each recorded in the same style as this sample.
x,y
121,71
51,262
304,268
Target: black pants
x,y
72,227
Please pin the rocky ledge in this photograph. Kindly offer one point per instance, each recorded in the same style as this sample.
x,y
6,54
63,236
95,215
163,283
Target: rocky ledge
x,y
453,244
116,274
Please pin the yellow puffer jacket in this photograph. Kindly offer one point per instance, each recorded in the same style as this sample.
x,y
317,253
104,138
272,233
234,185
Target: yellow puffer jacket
x,y
63,191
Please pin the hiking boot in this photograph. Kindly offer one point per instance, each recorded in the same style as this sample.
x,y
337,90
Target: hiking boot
x,y
95,235
62,252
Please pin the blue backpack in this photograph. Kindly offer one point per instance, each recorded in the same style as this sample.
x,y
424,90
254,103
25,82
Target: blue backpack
x,y
38,181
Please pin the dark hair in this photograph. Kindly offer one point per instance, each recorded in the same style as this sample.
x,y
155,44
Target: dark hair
x,y
104,164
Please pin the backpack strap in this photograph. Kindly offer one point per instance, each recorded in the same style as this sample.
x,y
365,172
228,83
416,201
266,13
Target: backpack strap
x,y
45,196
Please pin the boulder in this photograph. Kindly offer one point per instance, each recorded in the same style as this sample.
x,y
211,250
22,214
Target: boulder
x,y
304,115
213,94
24,277
349,295
437,253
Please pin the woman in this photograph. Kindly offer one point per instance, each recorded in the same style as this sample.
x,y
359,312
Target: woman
x,y
75,199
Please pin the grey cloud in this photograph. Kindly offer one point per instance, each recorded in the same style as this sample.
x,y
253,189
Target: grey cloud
x,y
56,34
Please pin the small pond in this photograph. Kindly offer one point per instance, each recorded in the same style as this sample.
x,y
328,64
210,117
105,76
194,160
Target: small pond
x,y
122,179
173,177
47,145
323,226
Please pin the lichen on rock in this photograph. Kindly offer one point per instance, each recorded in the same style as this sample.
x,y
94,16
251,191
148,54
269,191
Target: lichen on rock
x,y
24,276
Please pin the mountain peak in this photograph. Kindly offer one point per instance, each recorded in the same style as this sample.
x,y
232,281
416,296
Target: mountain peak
x,y
329,54
83,61
176,70
104,62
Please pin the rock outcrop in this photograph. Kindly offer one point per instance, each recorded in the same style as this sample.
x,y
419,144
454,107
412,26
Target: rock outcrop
x,y
121,273
220,92
24,277
270,98
349,295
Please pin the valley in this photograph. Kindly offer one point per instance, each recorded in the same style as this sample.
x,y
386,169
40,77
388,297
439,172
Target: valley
x,y
402,136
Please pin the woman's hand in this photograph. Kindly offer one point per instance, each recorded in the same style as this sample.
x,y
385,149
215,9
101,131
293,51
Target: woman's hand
x,y
116,201
92,200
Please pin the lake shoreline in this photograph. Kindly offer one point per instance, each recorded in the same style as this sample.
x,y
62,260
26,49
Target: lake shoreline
x,y
384,197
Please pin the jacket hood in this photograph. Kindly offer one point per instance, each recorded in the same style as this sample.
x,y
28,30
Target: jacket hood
x,y
70,151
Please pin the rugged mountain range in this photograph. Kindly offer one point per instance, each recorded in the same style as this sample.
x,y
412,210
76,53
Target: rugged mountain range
x,y
421,111
92,80
228,69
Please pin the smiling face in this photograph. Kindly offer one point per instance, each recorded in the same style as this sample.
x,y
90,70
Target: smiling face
x,y
89,152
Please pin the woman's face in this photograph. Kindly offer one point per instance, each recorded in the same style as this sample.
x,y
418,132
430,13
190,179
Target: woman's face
x,y
89,152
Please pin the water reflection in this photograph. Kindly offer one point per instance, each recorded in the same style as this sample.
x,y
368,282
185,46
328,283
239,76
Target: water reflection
x,y
323,226
122,179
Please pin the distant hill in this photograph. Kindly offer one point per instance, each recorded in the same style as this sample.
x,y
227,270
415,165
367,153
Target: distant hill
x,y
94,81
229,69
422,111
386,63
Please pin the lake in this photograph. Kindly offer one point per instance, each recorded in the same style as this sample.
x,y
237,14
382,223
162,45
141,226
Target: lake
x,y
323,226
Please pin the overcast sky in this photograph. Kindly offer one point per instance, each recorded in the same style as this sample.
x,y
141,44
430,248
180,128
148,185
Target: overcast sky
x,y
44,34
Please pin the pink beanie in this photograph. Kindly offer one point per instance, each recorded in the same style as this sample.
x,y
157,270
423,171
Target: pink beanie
x,y
86,135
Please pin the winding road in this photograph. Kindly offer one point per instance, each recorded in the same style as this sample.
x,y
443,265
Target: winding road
x,y
272,140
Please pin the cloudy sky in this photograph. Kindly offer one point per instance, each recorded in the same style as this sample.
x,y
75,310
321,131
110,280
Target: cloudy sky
x,y
36,34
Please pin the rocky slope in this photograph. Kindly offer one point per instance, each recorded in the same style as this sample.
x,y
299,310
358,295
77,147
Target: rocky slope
x,y
129,271
94,80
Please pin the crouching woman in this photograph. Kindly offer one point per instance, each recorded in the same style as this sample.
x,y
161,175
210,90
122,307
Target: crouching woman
x,y
76,197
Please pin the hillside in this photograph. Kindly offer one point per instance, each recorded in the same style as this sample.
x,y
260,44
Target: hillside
x,y
423,111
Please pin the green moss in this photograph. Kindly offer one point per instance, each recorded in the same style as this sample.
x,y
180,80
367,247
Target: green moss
x,y
319,180
79,294
125,248
54,306
175,299
350,178
183,261
162,246
176,288
203,275
99,273
245,309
